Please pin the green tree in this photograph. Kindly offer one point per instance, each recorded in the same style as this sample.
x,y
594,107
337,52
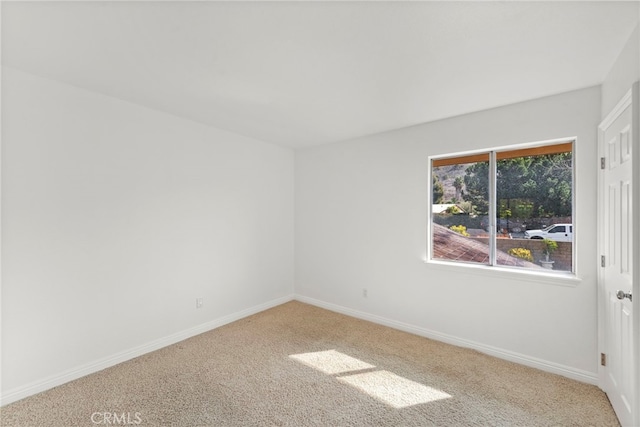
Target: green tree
x,y
458,183
438,190
544,182
453,210
476,181
509,177
554,183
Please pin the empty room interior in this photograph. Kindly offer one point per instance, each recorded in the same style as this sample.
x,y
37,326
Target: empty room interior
x,y
320,213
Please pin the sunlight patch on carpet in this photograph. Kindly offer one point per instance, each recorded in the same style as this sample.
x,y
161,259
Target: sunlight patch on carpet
x,y
392,389
385,386
331,362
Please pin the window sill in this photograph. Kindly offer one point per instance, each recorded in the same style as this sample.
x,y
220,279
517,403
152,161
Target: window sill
x,y
558,278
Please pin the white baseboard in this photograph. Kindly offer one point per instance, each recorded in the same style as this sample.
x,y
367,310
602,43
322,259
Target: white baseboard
x,y
543,365
106,362
100,364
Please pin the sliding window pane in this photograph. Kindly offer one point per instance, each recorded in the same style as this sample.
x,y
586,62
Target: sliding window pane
x,y
460,205
534,208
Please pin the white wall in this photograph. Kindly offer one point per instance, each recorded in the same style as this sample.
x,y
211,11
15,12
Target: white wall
x,y
361,222
623,74
116,217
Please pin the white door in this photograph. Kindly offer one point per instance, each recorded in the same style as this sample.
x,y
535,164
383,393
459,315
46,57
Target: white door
x,y
617,144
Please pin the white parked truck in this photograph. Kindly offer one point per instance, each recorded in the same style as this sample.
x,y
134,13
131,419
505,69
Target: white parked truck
x,y
557,232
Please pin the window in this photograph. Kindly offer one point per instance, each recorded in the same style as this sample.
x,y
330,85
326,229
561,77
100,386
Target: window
x,y
509,207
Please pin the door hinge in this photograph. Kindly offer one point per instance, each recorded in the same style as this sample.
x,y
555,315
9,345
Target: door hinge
x,y
603,261
603,359
602,162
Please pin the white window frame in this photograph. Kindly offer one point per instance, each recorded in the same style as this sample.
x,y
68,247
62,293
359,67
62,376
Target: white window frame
x,y
565,278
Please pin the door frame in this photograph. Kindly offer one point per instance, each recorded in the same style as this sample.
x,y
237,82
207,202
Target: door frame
x,y
630,98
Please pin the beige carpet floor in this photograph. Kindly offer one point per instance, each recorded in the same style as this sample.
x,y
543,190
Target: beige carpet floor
x,y
299,365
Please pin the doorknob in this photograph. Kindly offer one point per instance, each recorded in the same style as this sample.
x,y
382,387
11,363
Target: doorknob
x,y
623,295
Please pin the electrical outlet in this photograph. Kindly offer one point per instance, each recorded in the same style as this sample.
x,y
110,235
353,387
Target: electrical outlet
x,y
199,302
364,292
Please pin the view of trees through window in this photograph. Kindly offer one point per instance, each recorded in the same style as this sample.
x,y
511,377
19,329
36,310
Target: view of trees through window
x,y
532,206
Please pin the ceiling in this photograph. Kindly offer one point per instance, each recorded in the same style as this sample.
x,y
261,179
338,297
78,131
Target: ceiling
x,y
299,74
